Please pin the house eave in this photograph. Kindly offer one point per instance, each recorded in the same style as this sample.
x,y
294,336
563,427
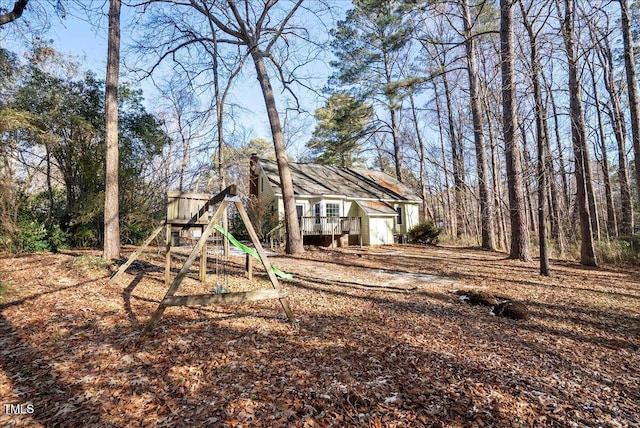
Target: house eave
x,y
394,201
323,196
353,199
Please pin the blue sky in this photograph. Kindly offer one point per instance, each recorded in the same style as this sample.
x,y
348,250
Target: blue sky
x,y
76,37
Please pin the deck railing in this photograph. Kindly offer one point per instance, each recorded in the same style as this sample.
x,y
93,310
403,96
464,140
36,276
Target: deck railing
x,y
318,226
330,225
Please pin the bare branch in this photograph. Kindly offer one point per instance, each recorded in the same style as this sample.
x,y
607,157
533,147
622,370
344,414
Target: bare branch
x,y
18,8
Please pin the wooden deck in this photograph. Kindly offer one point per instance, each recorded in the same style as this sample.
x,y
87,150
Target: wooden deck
x,y
330,225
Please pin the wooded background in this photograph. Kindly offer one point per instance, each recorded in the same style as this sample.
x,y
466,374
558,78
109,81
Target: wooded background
x,y
516,121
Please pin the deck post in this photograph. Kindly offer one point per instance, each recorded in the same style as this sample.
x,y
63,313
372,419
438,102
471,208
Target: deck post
x,y
333,239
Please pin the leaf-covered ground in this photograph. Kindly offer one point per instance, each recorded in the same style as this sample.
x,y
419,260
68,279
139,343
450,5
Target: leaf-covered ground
x,y
380,342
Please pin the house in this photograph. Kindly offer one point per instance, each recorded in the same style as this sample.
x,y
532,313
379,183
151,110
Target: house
x,y
339,206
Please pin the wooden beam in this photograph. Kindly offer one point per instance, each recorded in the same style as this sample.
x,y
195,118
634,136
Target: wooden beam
x,y
210,299
167,256
202,274
185,268
248,263
137,253
263,257
227,196
230,191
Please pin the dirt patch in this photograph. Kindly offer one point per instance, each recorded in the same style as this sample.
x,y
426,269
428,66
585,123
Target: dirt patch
x,y
380,341
367,277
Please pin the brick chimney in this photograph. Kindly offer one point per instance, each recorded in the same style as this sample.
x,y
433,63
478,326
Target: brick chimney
x,y
253,174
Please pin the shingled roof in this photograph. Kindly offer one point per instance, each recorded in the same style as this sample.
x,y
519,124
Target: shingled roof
x,y
326,180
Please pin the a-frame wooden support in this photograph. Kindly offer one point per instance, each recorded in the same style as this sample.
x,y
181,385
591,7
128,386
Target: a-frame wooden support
x,y
133,257
205,299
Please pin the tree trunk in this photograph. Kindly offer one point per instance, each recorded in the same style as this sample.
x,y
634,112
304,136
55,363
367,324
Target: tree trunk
x,y
111,203
612,228
294,240
495,179
49,184
528,173
561,164
457,163
497,186
519,232
450,223
591,197
554,200
220,100
616,116
632,85
397,150
421,156
542,142
486,208
579,138
542,186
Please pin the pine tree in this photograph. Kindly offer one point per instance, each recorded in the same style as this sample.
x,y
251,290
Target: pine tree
x,y
342,124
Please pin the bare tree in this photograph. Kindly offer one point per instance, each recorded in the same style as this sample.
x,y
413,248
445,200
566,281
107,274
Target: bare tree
x,y
579,138
266,33
490,105
111,200
448,206
189,126
632,85
611,226
542,139
616,117
251,26
486,208
519,232
421,156
436,44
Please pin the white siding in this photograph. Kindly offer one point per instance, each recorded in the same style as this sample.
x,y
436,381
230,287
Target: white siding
x,y
349,209
412,216
364,228
266,195
380,230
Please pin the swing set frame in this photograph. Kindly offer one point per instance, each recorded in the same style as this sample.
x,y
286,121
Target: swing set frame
x,y
224,198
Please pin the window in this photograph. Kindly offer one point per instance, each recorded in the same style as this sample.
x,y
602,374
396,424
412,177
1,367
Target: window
x,y
316,212
333,210
399,211
300,210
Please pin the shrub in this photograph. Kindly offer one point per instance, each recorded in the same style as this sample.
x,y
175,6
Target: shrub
x,y
425,233
57,237
135,232
85,236
621,251
32,237
634,243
